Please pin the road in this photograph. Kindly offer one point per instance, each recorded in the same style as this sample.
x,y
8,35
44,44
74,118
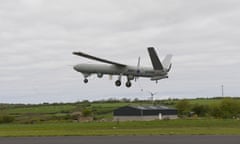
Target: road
x,y
123,140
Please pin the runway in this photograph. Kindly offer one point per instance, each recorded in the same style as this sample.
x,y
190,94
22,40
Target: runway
x,y
123,140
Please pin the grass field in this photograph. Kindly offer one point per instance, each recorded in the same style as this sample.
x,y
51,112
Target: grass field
x,y
166,127
41,109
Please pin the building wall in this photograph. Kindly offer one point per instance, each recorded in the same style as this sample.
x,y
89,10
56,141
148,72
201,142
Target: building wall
x,y
127,111
143,118
131,111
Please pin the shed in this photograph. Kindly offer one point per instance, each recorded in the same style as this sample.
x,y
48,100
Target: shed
x,y
144,113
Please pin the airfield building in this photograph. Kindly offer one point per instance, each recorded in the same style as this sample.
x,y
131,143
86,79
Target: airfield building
x,y
144,113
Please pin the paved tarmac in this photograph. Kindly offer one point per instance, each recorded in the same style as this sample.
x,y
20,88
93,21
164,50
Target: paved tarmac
x,y
123,140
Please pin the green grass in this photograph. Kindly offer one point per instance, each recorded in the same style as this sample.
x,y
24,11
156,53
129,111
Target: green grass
x,y
167,127
40,109
210,101
206,101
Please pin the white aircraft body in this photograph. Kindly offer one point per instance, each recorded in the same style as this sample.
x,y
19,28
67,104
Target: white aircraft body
x,y
158,71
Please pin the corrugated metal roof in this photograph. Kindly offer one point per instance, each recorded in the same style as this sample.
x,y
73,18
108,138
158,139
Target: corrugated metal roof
x,y
151,107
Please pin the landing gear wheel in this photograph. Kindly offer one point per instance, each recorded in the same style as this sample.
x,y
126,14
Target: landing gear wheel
x,y
85,81
128,84
118,83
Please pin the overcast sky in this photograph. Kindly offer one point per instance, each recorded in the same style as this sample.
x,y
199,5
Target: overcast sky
x,y
37,38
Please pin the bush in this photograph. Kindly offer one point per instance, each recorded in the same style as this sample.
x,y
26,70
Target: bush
x,y
183,107
201,110
215,111
86,112
229,108
6,119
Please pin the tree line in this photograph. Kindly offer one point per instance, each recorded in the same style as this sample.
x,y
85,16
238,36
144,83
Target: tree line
x,y
227,108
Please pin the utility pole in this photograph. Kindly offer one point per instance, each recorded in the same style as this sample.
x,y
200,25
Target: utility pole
x,y
152,98
222,86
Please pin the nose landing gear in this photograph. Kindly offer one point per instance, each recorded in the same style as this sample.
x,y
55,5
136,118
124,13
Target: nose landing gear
x,y
85,80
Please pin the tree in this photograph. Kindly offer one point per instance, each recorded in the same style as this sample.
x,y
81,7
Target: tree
x,y
86,112
200,109
6,119
229,108
183,107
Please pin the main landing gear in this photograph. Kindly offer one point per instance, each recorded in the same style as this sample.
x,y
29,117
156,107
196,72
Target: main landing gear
x,y
118,83
128,84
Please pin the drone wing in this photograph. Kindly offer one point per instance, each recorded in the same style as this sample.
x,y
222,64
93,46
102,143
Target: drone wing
x,y
98,59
